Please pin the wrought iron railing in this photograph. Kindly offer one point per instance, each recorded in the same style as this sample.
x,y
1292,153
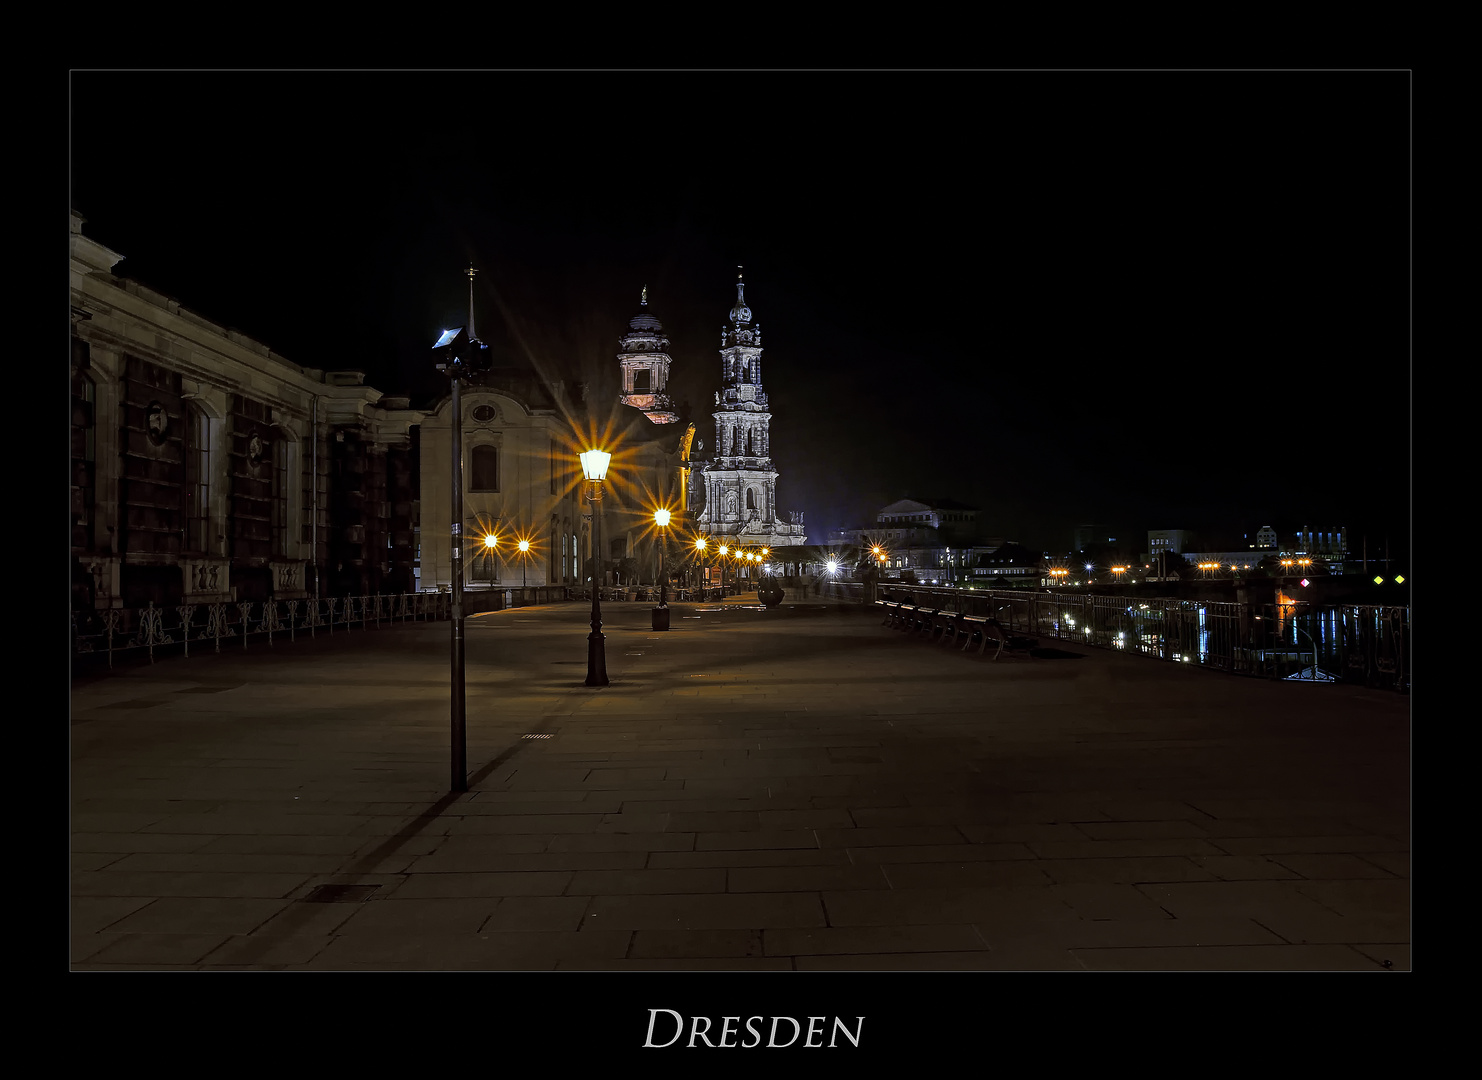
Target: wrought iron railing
x,y
1365,644
212,627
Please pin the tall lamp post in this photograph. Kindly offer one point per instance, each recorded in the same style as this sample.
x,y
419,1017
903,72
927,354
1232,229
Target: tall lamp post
x,y
594,468
661,613
725,550
462,355
700,545
524,561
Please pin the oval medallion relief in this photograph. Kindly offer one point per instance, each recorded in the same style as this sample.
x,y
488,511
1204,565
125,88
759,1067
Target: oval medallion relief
x,y
484,414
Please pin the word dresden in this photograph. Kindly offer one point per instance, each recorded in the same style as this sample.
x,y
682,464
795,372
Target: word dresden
x,y
700,1028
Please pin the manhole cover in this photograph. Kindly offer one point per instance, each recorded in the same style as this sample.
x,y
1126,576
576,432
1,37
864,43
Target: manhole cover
x,y
535,736
340,894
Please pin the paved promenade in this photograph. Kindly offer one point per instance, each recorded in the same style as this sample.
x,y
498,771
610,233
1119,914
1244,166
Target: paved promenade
x,y
794,789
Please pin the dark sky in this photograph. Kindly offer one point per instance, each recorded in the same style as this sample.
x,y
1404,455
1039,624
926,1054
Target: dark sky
x,y
1154,300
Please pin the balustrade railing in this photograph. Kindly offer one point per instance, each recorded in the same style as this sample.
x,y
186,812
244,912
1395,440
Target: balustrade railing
x,y
1298,641
168,630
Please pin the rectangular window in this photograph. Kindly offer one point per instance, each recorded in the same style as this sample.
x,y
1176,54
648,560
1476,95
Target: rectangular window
x,y
280,494
641,381
484,469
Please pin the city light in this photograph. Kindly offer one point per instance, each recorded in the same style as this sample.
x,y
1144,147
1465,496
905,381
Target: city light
x,y
490,541
833,566
1399,580
661,517
524,545
700,543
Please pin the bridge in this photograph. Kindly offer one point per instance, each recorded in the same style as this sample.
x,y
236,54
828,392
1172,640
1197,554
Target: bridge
x,y
798,788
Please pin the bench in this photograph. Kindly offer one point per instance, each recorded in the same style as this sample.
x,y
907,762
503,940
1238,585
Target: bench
x,y
988,631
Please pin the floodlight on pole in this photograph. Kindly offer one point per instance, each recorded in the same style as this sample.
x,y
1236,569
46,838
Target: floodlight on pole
x,y
460,355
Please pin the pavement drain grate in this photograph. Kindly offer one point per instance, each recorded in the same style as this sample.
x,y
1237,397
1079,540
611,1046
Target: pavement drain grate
x,y
340,894
535,736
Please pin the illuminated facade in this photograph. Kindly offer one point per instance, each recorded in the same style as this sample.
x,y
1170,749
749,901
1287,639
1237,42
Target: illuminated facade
x,y
735,492
646,366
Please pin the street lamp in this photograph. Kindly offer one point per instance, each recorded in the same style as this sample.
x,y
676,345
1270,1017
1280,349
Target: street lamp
x,y
594,468
661,613
700,545
462,355
524,561
724,551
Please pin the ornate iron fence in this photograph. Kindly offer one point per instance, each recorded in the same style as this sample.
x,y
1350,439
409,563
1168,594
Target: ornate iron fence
x,y
167,631
1362,644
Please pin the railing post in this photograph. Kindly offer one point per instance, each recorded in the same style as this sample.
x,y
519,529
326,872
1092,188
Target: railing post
x,y
246,609
185,614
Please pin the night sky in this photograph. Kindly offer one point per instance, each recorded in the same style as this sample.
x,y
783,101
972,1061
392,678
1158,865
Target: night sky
x,y
1154,300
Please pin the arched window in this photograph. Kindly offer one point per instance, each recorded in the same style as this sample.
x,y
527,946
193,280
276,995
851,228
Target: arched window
x,y
484,468
750,499
196,493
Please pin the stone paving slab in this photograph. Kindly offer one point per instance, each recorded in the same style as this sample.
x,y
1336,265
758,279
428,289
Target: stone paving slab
x,y
828,794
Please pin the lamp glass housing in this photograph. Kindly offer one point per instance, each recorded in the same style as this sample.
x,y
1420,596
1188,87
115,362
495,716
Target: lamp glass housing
x,y
594,464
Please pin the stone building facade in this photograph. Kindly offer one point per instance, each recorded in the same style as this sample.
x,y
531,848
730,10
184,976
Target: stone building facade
x,y
205,467
522,479
734,492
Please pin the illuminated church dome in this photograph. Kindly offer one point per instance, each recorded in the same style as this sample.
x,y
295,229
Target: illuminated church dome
x,y
645,366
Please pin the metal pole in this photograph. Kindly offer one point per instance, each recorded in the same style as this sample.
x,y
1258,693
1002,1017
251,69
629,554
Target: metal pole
x,y
596,642
460,727
314,526
662,594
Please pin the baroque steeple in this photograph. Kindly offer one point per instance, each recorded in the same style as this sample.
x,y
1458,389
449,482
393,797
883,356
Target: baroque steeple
x,y
645,365
737,487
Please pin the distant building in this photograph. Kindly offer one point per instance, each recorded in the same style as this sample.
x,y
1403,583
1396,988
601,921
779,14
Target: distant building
x,y
1265,537
1163,541
1322,543
1011,566
1092,537
934,539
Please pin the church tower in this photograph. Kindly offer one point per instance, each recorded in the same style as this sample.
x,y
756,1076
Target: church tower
x,y
740,481
646,366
